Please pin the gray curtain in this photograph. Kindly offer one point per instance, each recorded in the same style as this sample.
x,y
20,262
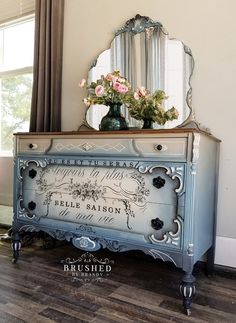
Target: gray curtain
x,y
47,71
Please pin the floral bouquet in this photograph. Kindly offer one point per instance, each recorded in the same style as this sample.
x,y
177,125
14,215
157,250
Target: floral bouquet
x,y
110,89
113,90
147,106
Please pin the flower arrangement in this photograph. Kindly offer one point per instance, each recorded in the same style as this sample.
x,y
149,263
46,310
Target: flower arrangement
x,y
110,89
114,90
150,106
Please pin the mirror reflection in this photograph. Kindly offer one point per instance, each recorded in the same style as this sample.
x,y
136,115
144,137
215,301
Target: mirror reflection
x,y
143,52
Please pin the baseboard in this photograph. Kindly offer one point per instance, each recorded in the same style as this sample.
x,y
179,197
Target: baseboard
x,y
225,251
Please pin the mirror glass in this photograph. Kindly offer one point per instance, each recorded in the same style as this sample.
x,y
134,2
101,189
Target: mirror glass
x,y
143,52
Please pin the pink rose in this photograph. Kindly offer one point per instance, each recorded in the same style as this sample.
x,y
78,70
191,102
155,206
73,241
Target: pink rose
x,y
99,90
122,88
109,77
116,86
136,96
114,78
142,91
82,83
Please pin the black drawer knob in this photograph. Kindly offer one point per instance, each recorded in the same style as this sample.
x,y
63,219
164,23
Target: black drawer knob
x,y
159,147
31,205
157,224
158,182
32,173
33,146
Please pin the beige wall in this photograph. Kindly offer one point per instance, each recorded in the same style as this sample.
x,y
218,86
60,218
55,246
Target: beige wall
x,y
207,27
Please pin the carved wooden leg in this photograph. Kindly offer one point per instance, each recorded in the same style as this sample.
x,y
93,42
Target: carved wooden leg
x,y
210,262
187,290
16,244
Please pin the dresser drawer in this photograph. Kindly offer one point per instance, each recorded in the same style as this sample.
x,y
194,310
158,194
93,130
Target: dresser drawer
x,y
171,148
33,145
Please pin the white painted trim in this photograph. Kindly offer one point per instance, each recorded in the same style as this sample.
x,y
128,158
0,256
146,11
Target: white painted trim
x,y
225,251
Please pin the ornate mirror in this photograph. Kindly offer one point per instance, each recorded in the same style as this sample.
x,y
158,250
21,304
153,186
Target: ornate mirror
x,y
143,52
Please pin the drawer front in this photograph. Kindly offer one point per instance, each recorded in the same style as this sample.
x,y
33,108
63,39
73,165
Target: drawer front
x,y
33,145
173,149
163,148
149,205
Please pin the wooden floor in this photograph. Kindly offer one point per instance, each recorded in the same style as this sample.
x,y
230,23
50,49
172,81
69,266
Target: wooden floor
x,y
139,289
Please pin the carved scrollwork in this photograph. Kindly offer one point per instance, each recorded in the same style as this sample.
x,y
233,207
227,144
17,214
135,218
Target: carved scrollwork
x,y
59,234
29,228
160,254
196,144
93,244
172,171
170,237
24,163
86,228
139,24
177,172
190,249
114,245
24,213
85,243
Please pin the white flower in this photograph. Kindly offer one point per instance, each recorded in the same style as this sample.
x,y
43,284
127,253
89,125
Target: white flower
x,y
86,102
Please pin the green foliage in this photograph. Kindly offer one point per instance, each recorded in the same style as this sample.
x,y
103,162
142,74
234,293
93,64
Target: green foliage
x,y
150,106
15,101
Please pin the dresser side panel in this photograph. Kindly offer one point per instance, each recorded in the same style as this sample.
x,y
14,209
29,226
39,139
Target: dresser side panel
x,y
206,160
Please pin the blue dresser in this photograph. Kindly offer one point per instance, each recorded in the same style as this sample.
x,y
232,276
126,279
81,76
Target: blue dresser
x,y
153,191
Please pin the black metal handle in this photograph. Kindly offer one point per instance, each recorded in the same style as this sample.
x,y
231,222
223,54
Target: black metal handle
x,y
157,224
32,173
159,147
31,206
31,146
158,182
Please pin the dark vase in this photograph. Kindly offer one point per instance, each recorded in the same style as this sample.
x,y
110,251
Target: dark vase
x,y
113,120
147,124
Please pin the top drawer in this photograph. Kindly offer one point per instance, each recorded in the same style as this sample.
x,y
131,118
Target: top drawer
x,y
163,148
33,145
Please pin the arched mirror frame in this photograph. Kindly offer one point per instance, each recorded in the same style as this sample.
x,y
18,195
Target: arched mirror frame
x,y
140,24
